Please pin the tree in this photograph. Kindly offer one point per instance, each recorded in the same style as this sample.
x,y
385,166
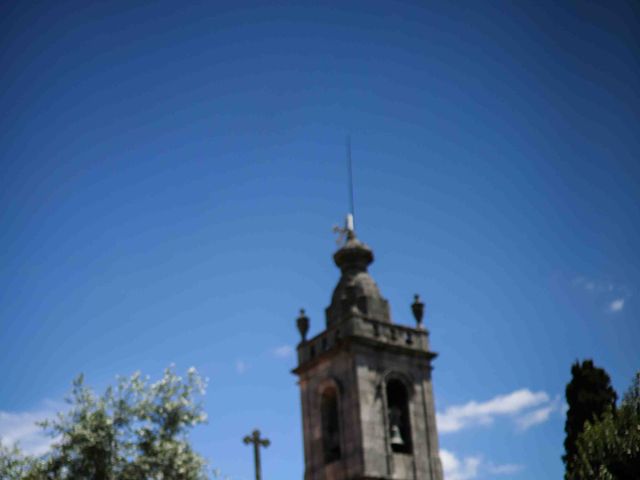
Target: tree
x,y
589,394
609,449
137,430
14,465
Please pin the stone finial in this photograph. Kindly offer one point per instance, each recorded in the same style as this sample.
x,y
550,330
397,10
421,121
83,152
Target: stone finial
x,y
303,324
417,307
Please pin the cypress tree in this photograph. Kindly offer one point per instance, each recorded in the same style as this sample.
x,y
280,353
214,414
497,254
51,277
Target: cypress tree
x,y
589,394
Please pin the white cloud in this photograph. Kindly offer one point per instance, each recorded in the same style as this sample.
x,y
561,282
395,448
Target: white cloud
x,y
616,305
455,469
473,466
21,427
283,351
241,367
614,294
534,417
473,413
539,415
506,469
596,285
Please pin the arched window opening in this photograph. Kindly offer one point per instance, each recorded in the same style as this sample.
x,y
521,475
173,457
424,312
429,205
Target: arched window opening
x,y
330,425
398,411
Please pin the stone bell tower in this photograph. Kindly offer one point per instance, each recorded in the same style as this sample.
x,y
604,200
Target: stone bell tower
x,y
365,383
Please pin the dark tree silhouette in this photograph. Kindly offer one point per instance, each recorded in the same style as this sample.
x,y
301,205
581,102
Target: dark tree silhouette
x,y
609,449
589,394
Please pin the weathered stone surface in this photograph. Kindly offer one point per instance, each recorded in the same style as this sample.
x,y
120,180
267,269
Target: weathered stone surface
x,y
356,291
359,352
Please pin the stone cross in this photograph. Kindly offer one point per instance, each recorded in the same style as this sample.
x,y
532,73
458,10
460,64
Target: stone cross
x,y
257,443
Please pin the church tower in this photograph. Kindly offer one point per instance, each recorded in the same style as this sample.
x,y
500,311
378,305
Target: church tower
x,y
365,383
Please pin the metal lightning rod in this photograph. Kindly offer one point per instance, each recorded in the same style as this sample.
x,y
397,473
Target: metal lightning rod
x,y
350,176
347,232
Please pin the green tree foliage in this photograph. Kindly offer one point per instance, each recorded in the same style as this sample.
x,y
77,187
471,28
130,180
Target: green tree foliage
x,y
14,465
589,394
609,449
137,430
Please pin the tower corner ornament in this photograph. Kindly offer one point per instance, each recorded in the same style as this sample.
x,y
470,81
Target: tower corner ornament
x,y
365,382
302,323
417,307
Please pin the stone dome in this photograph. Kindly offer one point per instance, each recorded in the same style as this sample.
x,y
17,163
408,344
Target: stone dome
x,y
356,293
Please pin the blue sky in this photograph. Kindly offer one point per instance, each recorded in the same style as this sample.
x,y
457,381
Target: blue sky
x,y
171,171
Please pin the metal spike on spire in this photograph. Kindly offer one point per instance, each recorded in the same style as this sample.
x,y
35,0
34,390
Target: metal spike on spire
x,y
352,213
348,231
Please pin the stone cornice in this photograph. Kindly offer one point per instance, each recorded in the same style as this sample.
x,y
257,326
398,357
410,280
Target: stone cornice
x,y
363,331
